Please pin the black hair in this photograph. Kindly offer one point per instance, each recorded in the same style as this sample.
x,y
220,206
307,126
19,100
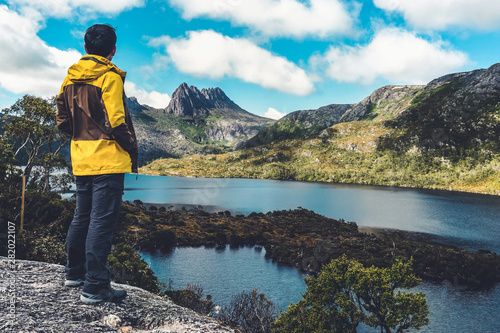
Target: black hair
x,y
100,39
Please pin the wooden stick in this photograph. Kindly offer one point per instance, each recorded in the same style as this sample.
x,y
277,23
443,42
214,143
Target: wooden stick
x,y
22,204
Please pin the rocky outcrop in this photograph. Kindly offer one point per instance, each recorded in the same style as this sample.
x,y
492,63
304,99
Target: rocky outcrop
x,y
393,99
471,87
155,142
230,130
134,106
323,117
457,113
188,101
218,99
44,304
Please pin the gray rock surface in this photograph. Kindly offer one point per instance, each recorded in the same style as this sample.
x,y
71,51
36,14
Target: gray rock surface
x,y
321,118
231,130
44,304
188,101
394,98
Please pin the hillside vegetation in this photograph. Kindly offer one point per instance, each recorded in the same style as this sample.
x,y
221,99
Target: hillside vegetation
x,y
346,154
440,136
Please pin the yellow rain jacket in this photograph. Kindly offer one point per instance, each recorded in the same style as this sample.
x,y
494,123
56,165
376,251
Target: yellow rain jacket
x,y
92,111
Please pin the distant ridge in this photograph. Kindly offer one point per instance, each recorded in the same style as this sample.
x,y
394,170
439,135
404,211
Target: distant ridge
x,y
431,111
297,124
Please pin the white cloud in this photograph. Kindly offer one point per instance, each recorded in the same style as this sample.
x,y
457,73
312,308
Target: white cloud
x,y
154,98
442,14
154,74
210,54
65,8
28,64
274,114
318,18
393,54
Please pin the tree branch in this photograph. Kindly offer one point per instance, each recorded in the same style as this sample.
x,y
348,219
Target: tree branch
x,y
22,146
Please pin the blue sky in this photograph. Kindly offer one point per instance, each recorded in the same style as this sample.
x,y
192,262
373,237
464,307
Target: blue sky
x,y
271,57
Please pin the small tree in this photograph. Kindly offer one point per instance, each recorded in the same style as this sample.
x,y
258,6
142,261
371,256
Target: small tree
x,y
31,123
47,177
387,306
346,294
8,174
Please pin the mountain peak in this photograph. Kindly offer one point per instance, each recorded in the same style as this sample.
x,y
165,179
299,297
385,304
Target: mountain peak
x,y
134,106
188,101
219,99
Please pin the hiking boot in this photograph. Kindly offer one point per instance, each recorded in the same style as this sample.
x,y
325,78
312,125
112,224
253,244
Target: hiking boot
x,y
105,295
74,283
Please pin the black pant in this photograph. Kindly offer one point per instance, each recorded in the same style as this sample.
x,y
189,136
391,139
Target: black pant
x,y
88,243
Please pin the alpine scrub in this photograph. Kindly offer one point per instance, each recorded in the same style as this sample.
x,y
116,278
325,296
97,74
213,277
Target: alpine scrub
x,y
346,294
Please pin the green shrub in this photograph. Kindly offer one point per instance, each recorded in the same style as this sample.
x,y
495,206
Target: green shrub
x,y
192,297
126,266
346,294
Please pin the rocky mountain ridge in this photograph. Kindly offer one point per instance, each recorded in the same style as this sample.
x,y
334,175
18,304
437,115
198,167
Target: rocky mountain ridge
x,y
188,101
461,95
458,113
195,122
302,123
388,99
297,124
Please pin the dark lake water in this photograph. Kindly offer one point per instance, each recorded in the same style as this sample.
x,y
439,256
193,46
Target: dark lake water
x,y
467,220
229,271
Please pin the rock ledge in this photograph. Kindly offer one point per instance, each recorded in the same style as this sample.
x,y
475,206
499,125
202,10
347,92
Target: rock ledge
x,y
44,304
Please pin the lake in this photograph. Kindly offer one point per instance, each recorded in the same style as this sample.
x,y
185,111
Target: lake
x,y
468,220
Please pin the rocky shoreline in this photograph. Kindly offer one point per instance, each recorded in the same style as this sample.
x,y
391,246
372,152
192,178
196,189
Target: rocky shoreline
x,y
377,231
305,240
44,304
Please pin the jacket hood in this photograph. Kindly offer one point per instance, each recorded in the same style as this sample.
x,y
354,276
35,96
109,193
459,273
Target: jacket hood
x,y
90,67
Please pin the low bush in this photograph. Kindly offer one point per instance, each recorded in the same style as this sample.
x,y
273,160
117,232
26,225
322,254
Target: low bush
x,y
250,311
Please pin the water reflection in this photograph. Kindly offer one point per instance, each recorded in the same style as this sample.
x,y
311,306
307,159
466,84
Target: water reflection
x,y
455,310
224,272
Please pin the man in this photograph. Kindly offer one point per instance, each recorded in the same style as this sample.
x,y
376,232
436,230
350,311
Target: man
x,y
92,111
